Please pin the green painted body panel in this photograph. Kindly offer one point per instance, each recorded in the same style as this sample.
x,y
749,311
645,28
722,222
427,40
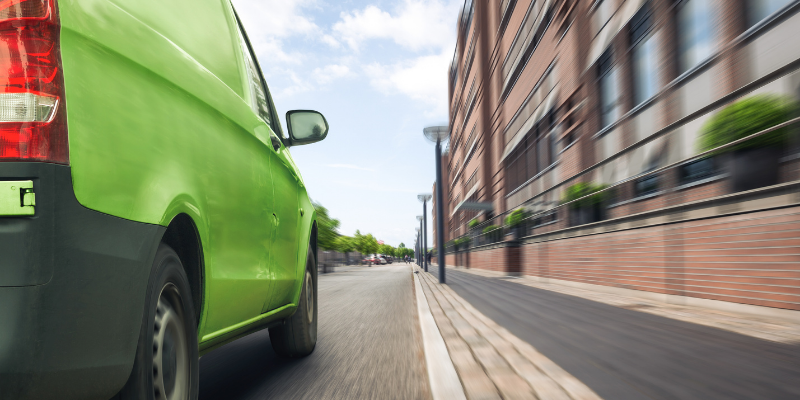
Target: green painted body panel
x,y
160,124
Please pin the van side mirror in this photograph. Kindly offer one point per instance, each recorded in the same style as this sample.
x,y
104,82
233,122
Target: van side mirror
x,y
306,127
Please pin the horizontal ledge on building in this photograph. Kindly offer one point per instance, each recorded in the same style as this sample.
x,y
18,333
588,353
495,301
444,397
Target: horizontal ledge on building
x,y
666,215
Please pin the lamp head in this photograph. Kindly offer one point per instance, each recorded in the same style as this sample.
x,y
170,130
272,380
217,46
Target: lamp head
x,y
424,197
419,217
437,133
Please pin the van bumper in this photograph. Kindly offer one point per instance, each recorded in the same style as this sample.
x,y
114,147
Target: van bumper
x,y
72,288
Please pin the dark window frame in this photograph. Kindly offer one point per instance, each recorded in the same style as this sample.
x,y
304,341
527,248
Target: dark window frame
x,y
698,170
646,186
273,122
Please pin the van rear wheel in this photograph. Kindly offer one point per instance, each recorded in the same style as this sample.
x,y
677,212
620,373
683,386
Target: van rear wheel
x,y
297,336
166,366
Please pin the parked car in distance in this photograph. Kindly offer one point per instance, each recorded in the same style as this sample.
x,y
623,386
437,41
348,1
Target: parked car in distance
x,y
372,260
150,209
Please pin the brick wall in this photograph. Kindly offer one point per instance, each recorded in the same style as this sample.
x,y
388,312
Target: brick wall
x,y
501,258
492,259
750,258
450,259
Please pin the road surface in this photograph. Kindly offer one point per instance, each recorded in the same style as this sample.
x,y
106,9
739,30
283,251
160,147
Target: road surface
x,y
368,347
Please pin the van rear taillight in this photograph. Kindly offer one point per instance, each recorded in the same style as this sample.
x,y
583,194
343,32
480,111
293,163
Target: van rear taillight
x,y
33,121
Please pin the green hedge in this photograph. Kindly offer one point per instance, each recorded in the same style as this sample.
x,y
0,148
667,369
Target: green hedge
x,y
581,189
473,223
516,217
746,117
490,228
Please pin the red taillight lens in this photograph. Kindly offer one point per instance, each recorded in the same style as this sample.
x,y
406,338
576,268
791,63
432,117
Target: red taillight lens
x,y
33,122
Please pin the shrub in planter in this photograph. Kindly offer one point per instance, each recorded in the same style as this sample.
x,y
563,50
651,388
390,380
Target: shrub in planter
x,y
754,163
516,220
589,209
461,243
473,223
492,233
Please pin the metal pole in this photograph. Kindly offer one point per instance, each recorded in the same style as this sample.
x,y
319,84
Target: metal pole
x,y
416,251
439,213
421,238
425,233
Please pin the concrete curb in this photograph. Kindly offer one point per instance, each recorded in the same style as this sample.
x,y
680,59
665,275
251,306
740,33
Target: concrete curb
x,y
442,376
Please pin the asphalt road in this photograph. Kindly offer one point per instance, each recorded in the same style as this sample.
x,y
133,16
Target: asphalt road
x,y
627,354
368,347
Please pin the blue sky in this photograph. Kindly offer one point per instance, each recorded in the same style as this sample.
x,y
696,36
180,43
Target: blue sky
x,y
377,70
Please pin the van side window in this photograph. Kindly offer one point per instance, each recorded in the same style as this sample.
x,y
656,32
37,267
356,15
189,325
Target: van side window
x,y
258,94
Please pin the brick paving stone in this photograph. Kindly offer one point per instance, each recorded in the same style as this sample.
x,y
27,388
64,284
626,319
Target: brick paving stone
x,y
490,361
474,380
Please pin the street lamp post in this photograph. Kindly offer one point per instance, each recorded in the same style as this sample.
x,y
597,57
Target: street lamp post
x,y
416,248
421,239
439,134
424,198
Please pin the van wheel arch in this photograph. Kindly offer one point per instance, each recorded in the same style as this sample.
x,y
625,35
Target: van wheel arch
x,y
183,237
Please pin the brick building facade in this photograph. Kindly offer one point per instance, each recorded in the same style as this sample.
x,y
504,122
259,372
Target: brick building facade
x,y
545,94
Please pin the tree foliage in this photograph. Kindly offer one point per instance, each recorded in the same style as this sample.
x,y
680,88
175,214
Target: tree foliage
x,y
365,244
345,244
327,228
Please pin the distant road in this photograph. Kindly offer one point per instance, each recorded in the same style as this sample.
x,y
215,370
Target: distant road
x,y
368,347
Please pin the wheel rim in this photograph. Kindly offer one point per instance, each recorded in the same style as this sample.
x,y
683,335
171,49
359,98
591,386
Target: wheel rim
x,y
170,348
309,297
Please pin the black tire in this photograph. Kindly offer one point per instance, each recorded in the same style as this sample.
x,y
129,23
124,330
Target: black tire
x,y
166,364
297,336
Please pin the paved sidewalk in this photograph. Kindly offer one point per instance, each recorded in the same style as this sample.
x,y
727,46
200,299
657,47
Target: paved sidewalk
x,y
762,327
491,362
622,353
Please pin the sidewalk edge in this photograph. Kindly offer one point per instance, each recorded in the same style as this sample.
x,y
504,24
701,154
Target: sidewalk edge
x,y
442,375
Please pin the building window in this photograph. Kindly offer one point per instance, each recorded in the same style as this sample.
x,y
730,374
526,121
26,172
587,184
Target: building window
x,y
695,33
466,19
454,74
697,170
757,10
602,13
644,56
533,154
609,95
645,186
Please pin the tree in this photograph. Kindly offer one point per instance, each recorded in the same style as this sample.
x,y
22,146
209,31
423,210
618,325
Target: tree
x,y
365,244
326,228
345,244
386,249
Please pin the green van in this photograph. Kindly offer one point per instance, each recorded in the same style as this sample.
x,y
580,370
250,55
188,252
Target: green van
x,y
150,210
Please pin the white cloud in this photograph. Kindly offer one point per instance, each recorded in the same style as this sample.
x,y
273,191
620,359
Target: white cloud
x,y
330,41
330,73
423,79
268,22
415,24
298,84
276,18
